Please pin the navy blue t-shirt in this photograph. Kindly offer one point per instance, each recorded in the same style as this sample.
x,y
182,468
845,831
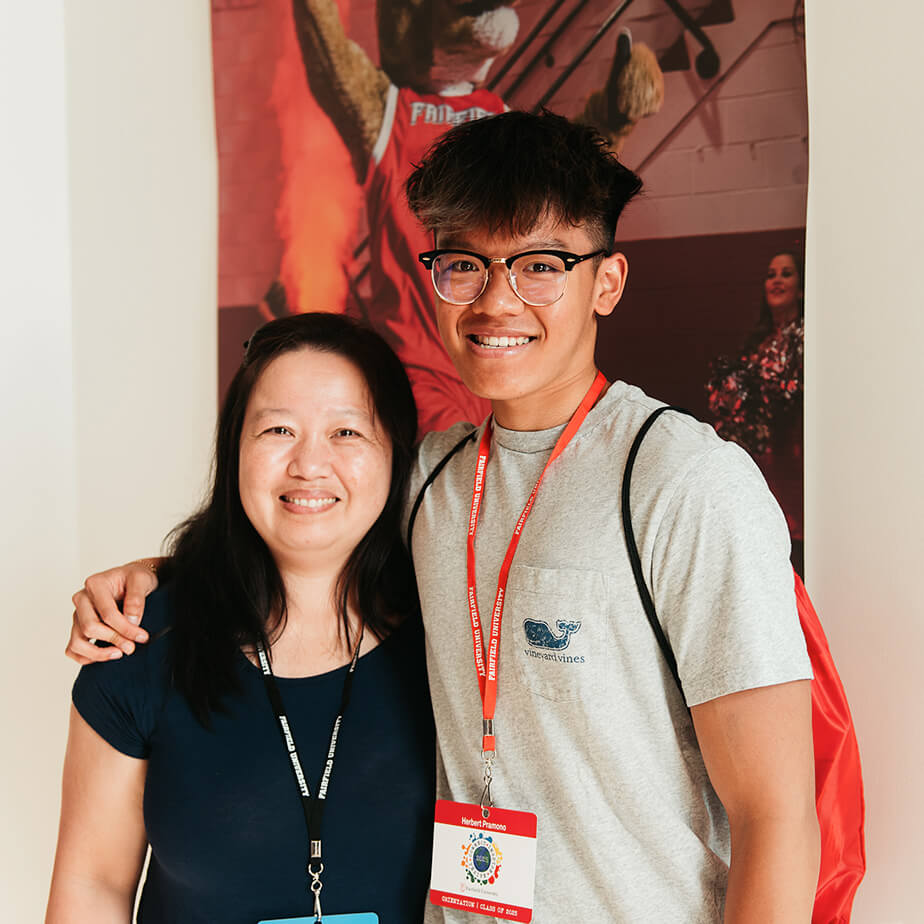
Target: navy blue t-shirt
x,y
221,807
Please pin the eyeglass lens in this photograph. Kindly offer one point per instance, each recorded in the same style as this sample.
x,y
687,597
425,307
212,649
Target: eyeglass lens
x,y
538,279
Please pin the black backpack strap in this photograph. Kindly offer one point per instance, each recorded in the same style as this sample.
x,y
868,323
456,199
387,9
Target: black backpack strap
x,y
632,547
430,479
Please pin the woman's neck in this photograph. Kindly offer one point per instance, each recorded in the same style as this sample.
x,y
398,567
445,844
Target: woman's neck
x,y
311,640
784,316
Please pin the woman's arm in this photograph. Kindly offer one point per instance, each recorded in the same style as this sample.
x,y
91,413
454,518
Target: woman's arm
x,y
101,840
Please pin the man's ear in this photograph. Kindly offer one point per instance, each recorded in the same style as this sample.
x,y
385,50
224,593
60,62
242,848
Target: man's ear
x,y
610,283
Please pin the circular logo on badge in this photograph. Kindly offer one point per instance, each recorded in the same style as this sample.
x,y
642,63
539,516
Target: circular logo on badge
x,y
481,859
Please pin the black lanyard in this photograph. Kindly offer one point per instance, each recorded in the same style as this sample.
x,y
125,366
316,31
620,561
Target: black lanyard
x,y
313,807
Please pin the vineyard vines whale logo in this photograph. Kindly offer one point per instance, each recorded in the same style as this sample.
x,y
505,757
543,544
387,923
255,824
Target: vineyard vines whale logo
x,y
539,635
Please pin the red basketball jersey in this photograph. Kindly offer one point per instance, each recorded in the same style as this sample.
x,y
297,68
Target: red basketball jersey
x,y
401,307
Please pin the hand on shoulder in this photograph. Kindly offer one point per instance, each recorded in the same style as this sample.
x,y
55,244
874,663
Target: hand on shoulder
x,y
98,617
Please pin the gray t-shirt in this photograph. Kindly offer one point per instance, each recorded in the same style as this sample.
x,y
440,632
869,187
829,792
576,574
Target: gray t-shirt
x,y
592,733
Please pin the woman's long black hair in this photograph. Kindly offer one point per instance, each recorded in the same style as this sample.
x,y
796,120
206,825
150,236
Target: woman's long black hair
x,y
226,589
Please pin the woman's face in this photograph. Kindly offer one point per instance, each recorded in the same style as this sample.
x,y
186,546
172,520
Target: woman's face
x,y
782,287
315,465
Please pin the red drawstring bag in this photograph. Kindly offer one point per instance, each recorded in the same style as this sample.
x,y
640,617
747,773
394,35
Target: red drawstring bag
x,y
838,780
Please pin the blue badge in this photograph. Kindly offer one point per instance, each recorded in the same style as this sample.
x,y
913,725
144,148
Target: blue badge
x,y
364,917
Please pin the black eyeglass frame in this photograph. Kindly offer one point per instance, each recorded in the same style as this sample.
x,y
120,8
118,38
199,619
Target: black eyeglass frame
x,y
570,260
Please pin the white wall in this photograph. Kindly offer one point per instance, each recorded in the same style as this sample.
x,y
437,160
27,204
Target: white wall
x,y
38,538
108,372
144,241
864,421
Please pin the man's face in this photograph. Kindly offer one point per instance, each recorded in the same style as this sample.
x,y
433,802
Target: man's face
x,y
549,351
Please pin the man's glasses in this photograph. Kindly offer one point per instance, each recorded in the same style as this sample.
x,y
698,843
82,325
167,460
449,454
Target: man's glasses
x,y
537,276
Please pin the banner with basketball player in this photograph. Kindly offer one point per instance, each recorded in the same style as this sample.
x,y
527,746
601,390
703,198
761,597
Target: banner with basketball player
x,y
323,105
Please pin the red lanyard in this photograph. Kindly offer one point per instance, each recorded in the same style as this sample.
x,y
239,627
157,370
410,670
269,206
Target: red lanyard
x,y
487,674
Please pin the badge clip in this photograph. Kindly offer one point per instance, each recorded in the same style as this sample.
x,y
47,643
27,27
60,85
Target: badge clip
x,y
487,802
316,890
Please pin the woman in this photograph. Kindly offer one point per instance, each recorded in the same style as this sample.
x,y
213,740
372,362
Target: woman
x,y
756,398
294,562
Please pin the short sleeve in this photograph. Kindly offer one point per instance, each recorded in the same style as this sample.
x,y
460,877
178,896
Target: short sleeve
x,y
430,452
723,583
120,700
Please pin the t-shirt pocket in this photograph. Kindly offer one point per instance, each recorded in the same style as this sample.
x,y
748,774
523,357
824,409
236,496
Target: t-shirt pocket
x,y
557,631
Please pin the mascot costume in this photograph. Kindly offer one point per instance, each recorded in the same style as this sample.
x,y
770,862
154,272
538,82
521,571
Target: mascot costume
x,y
435,56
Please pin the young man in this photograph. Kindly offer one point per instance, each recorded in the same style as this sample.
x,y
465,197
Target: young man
x,y
648,811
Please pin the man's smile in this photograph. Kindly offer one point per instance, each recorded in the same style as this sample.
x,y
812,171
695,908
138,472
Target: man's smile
x,y
491,341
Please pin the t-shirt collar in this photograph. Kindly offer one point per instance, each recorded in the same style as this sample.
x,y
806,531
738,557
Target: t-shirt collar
x,y
528,441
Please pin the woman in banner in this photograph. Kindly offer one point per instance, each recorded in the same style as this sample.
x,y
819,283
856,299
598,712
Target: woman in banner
x,y
756,397
273,742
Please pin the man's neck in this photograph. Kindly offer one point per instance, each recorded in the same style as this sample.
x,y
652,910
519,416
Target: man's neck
x,y
551,408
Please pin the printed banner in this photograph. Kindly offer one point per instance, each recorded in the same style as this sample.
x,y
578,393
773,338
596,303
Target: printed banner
x,y
323,106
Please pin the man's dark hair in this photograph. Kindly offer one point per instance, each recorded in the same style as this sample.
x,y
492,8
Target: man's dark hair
x,y
226,588
510,172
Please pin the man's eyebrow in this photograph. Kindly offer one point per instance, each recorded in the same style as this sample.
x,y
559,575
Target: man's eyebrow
x,y
553,244
453,241
521,247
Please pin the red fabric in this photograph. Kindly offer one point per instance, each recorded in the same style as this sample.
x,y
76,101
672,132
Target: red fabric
x,y
838,781
401,305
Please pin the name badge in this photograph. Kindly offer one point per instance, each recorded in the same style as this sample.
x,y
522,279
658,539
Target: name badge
x,y
484,865
365,917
